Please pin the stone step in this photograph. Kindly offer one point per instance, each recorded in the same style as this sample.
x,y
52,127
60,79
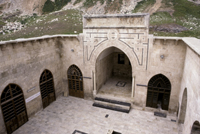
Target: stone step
x,y
112,105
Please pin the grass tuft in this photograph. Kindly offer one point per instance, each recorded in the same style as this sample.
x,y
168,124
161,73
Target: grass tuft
x,y
142,5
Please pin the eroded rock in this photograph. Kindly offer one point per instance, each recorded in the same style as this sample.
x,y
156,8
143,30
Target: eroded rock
x,y
171,28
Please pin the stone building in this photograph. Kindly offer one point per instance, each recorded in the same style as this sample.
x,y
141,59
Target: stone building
x,y
114,58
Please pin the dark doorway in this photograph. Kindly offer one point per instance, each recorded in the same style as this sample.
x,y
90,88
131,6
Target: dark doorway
x,y
75,82
158,94
47,88
195,128
13,107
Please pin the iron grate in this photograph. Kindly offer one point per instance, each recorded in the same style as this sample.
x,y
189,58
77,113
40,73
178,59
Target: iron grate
x,y
120,84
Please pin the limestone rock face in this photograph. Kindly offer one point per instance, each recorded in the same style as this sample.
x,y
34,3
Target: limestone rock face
x,y
171,28
26,6
195,1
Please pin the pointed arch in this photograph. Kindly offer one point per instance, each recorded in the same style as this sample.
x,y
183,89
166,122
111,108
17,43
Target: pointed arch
x,y
47,88
13,107
195,128
75,81
158,92
117,44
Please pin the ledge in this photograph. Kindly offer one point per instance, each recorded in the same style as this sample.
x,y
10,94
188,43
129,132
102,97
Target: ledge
x,y
193,43
115,15
167,38
37,38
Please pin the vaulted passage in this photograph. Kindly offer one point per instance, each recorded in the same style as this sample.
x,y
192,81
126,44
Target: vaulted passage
x,y
158,94
47,88
13,107
113,74
195,128
75,82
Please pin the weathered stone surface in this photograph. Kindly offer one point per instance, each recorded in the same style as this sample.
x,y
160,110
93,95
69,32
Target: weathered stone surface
x,y
171,28
68,114
27,7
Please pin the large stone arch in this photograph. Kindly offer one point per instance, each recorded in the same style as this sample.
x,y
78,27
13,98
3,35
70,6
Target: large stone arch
x,y
113,43
183,107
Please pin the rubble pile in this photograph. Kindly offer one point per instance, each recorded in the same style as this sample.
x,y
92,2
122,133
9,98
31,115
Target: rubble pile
x,y
11,27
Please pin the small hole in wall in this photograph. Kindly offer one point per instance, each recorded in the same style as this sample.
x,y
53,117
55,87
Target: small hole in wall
x,y
162,56
114,132
106,116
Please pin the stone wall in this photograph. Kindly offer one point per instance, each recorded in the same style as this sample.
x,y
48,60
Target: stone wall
x,y
72,54
123,70
190,82
171,65
104,68
23,63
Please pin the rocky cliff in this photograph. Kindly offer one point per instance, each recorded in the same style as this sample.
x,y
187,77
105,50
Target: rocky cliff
x,y
25,6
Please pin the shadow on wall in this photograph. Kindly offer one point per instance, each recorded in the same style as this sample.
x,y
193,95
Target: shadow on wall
x,y
183,107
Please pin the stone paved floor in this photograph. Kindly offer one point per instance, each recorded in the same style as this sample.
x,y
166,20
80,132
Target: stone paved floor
x,y
110,88
67,114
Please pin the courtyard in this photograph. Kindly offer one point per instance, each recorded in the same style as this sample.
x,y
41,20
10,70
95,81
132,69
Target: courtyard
x,y
68,114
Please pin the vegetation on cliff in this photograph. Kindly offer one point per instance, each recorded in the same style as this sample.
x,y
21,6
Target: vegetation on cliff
x,y
171,14
51,6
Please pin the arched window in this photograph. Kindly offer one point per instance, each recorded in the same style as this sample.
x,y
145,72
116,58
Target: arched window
x,y
13,107
47,88
158,93
195,128
75,81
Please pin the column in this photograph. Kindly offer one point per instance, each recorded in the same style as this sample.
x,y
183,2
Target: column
x,y
94,82
133,87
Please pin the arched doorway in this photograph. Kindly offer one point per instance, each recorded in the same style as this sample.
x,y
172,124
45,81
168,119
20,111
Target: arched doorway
x,y
113,74
47,88
195,128
183,107
13,107
75,82
158,95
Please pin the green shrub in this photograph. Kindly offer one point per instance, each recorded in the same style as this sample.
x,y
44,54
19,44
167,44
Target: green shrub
x,y
77,1
61,3
185,8
34,15
2,24
89,3
142,5
49,6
